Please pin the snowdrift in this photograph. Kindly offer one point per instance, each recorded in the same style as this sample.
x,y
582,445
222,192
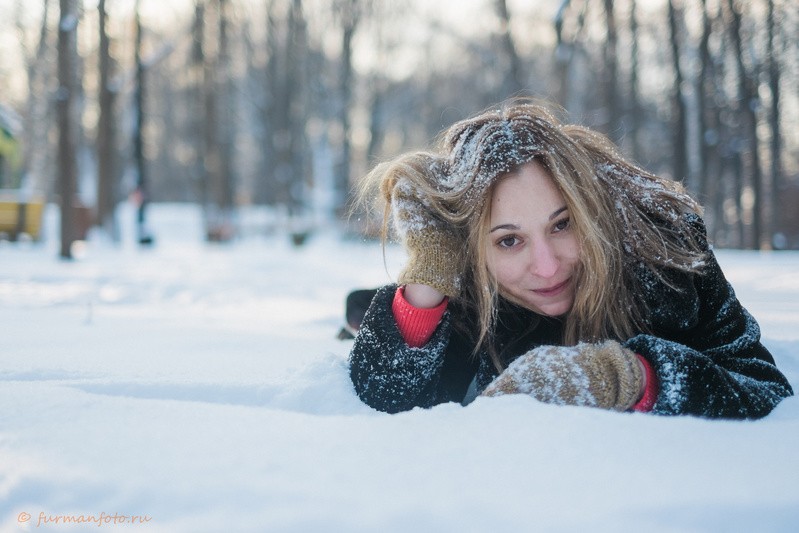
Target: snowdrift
x,y
201,388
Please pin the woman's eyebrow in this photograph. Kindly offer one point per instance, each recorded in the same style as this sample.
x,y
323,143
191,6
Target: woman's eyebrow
x,y
557,212
516,227
505,226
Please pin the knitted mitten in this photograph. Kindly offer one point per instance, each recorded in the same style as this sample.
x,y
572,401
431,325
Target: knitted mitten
x,y
604,375
435,251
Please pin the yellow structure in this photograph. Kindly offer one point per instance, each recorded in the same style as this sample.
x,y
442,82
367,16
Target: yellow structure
x,y
20,216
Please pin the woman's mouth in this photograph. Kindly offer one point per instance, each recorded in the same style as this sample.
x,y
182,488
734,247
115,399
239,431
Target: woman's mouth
x,y
554,290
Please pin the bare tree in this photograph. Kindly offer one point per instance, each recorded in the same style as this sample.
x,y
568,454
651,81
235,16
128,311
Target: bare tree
x,y
610,86
224,185
211,54
202,141
571,59
633,106
37,121
680,114
741,51
286,118
226,189
140,97
210,150
774,120
349,13
513,80
747,102
709,92
563,53
107,179
67,118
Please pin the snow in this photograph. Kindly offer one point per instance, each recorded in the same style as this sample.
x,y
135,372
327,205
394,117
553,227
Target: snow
x,y
202,387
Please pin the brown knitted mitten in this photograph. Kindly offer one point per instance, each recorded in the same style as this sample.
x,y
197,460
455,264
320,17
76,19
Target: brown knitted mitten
x,y
604,375
435,251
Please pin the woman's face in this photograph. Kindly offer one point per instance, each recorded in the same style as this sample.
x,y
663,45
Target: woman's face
x,y
532,247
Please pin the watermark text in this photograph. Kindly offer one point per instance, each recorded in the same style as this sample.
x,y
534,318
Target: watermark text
x,y
101,519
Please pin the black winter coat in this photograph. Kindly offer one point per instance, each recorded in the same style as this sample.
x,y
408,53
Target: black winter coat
x,y
705,349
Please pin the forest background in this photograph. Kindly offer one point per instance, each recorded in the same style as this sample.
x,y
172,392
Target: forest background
x,y
284,104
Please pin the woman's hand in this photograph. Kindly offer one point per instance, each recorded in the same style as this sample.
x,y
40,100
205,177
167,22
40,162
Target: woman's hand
x,y
423,296
435,251
605,375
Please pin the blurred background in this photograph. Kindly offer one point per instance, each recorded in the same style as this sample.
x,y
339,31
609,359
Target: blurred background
x,y
279,106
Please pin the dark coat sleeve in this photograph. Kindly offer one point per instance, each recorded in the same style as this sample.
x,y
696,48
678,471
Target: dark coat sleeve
x,y
707,352
391,376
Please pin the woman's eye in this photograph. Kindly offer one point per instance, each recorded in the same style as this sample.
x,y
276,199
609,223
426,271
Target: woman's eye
x,y
562,224
507,242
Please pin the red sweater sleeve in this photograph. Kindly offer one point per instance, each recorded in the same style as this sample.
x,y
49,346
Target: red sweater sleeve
x,y
647,401
416,324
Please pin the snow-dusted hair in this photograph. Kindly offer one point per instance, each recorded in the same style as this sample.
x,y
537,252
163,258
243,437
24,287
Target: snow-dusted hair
x,y
624,217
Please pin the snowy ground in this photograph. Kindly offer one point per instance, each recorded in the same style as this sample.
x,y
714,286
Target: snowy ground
x,y
202,387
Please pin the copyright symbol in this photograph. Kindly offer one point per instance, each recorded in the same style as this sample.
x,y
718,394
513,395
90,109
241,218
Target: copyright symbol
x,y
23,517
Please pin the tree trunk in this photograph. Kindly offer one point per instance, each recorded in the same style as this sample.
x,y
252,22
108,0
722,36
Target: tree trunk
x,y
197,97
709,125
299,106
106,136
211,155
513,79
563,55
212,53
350,18
140,97
634,106
67,117
289,117
774,123
747,104
680,120
610,74
36,147
377,127
225,184
704,86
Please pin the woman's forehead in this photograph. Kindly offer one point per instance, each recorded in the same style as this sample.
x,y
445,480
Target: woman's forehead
x,y
529,188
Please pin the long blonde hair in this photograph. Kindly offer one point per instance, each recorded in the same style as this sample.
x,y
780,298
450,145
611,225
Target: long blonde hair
x,y
624,217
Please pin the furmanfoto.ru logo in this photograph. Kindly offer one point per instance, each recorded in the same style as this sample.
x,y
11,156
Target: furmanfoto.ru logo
x,y
99,520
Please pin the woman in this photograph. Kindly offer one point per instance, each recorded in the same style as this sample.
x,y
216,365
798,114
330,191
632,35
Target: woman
x,y
540,262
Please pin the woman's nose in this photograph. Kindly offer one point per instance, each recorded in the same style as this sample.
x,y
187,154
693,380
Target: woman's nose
x,y
543,260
